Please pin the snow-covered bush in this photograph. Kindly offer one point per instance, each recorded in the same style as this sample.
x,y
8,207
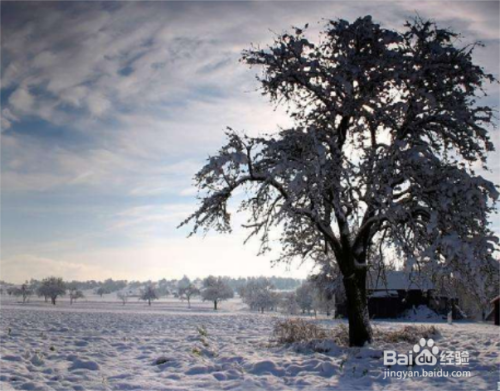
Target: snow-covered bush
x,y
215,289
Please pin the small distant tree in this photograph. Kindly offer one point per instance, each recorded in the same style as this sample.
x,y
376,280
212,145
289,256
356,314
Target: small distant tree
x,y
123,296
24,291
52,287
42,291
75,294
162,287
111,285
183,282
215,289
305,296
186,292
259,295
323,302
149,294
328,287
102,291
289,304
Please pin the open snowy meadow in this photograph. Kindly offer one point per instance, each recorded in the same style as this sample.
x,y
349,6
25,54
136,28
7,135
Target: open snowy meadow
x,y
100,344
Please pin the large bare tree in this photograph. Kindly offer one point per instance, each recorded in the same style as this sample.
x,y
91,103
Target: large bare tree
x,y
381,158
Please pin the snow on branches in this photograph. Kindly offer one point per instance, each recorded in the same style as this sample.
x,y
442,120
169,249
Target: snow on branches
x,y
387,131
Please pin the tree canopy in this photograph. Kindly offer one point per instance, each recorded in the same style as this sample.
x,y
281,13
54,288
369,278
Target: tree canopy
x,y
388,133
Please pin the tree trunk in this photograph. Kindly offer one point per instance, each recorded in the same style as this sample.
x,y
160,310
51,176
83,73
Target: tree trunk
x,y
262,310
189,302
53,299
360,330
149,302
215,305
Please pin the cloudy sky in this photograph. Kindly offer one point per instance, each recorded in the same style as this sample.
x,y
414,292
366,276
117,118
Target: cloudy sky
x,y
108,109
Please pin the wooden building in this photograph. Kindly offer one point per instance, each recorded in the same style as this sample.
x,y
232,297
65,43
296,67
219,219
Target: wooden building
x,y
392,293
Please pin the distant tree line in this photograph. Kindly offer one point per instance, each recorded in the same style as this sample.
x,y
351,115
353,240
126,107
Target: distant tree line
x,y
258,292
163,287
50,288
315,295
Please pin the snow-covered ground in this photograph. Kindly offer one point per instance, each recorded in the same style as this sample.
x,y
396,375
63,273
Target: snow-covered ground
x,y
99,344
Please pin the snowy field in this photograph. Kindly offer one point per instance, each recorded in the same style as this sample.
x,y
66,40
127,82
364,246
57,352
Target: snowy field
x,y
100,344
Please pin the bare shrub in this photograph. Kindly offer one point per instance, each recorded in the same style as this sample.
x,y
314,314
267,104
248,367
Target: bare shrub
x,y
300,331
340,334
409,333
297,330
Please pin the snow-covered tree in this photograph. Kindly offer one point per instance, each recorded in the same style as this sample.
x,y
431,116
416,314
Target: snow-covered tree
x,y
328,287
288,303
123,296
215,289
304,295
187,291
149,294
388,129
324,304
52,287
259,294
475,300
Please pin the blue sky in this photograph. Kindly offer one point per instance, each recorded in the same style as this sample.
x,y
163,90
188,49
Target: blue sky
x,y
108,109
